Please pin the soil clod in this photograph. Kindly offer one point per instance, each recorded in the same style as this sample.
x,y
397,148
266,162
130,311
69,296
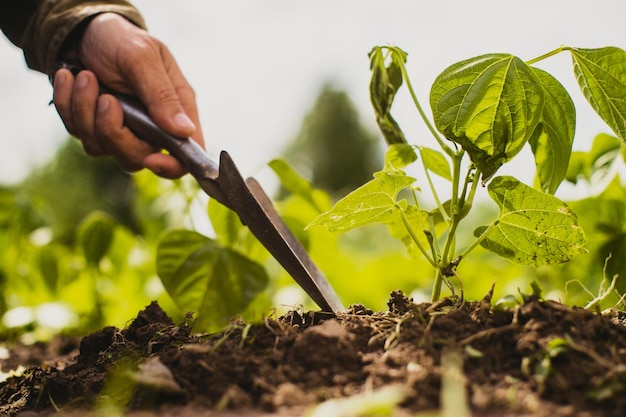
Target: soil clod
x,y
541,358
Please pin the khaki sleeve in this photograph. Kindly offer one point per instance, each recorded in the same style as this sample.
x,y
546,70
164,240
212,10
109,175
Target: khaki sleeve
x,y
43,27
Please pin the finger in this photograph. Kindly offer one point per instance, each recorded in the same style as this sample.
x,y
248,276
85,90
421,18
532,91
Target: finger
x,y
159,82
186,94
83,107
117,139
188,100
164,165
132,153
62,98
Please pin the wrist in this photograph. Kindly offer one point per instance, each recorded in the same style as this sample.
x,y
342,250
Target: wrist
x,y
69,50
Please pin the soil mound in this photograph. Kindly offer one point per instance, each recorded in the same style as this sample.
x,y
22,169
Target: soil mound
x,y
541,358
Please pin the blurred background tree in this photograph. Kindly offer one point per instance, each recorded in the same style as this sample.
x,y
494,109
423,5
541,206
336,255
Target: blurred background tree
x,y
333,148
72,185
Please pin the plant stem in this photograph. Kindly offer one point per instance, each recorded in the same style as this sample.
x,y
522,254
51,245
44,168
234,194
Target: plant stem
x,y
432,129
547,55
470,198
480,238
431,185
433,233
436,294
419,245
469,177
455,207
97,315
446,255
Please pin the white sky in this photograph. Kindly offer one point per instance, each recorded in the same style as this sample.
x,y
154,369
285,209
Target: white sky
x,y
257,66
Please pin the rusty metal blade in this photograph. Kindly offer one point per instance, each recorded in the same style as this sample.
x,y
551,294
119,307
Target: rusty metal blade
x,y
256,210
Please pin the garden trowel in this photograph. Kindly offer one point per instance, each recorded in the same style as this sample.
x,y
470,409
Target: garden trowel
x,y
244,196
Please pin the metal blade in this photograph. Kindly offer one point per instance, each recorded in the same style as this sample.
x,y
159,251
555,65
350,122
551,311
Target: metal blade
x,y
186,150
257,211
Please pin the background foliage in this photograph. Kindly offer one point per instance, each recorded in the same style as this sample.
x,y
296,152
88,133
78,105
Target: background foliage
x,y
84,244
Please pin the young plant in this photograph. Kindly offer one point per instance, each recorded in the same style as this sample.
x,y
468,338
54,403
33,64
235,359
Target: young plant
x,y
485,110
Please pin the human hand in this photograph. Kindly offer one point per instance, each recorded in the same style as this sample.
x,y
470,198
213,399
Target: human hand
x,y
128,60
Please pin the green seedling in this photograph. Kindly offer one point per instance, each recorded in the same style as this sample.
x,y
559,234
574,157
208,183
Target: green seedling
x,y
540,367
379,402
95,235
484,111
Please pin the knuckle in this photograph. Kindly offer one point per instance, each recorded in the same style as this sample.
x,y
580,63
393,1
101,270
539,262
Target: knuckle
x,y
139,49
104,130
188,95
167,96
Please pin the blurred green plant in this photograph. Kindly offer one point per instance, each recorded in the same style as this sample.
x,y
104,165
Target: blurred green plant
x,y
78,252
71,185
602,216
486,108
94,244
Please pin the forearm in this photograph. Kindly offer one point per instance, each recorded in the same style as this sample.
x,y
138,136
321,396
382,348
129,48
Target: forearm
x,y
44,28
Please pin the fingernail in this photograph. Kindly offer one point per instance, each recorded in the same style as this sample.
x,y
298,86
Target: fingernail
x,y
81,81
184,122
103,104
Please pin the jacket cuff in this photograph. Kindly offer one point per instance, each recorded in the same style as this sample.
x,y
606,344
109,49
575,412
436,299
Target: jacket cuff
x,y
57,24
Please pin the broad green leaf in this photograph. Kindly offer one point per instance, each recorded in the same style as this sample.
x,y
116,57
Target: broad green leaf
x,y
490,105
226,223
553,138
385,82
298,185
435,162
201,276
604,152
399,155
604,221
95,235
615,190
601,75
577,167
232,233
374,202
533,228
289,177
604,147
438,218
597,165
418,221
47,259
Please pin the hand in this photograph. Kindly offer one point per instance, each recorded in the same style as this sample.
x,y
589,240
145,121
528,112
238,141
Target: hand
x,y
126,59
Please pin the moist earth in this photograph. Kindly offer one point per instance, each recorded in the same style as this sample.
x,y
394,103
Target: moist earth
x,y
540,358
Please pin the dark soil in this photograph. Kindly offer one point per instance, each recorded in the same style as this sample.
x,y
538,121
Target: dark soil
x,y
541,359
